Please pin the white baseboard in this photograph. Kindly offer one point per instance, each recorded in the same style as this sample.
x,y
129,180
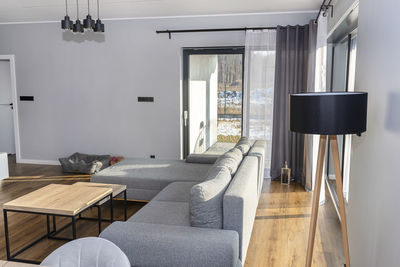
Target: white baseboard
x,y
38,161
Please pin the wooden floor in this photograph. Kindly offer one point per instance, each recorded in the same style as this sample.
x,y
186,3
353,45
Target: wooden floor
x,y
279,235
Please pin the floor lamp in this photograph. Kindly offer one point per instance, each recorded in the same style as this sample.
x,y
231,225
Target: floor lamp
x,y
328,115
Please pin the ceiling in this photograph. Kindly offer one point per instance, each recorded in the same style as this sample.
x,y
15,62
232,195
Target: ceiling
x,y
53,10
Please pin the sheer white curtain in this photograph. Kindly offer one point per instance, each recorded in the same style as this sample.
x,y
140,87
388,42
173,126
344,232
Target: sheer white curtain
x,y
259,76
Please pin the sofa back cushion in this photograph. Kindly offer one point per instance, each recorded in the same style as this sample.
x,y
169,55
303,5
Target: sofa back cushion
x,y
258,150
206,199
240,202
243,145
231,160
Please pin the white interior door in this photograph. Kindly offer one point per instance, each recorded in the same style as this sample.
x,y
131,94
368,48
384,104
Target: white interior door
x,y
7,140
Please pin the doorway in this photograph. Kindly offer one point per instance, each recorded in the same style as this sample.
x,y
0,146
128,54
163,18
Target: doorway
x,y
9,134
212,99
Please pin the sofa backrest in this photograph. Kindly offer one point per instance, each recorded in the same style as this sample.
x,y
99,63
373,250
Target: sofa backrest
x,y
240,202
258,150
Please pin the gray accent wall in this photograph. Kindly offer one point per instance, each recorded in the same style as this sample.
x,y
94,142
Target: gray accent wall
x,y
86,86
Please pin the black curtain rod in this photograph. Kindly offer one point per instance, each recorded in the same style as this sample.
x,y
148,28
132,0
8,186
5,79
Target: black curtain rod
x,y
324,7
220,30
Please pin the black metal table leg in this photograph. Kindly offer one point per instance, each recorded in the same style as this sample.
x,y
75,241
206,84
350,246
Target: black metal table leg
x,y
111,209
6,234
48,225
73,227
99,217
54,224
125,213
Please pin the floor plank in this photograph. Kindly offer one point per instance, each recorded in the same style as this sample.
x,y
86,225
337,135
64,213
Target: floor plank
x,y
280,231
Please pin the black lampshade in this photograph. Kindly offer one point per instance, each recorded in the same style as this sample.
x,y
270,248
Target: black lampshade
x,y
98,27
78,27
67,23
329,113
88,23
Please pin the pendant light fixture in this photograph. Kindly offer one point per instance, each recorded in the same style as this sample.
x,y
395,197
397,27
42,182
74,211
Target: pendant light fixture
x,y
78,27
98,27
66,23
88,23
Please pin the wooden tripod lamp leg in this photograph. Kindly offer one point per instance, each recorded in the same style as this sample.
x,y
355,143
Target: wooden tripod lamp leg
x,y
339,190
315,203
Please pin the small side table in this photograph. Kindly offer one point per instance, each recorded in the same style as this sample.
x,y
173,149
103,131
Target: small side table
x,y
117,189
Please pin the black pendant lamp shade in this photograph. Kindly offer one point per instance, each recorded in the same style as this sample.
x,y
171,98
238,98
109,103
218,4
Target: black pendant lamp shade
x,y
88,23
329,113
66,23
78,27
98,27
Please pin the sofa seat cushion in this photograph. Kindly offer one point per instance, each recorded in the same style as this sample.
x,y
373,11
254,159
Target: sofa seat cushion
x,y
163,212
206,199
151,174
176,191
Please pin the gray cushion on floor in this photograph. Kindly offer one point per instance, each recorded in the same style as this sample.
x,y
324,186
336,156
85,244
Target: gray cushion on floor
x,y
177,191
88,252
231,160
206,199
151,174
163,212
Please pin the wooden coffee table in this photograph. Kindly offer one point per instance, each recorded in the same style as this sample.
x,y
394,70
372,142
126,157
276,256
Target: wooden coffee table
x,y
117,189
55,200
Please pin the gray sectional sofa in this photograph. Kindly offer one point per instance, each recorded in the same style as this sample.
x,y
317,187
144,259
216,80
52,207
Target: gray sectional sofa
x,y
199,218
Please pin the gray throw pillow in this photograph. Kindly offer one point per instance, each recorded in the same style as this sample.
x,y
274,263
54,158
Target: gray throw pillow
x,y
206,199
244,148
231,160
243,145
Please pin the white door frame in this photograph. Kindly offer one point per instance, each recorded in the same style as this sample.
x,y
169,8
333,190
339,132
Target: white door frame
x,y
11,59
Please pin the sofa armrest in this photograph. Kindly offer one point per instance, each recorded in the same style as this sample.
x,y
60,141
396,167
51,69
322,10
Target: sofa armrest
x,y
148,244
202,158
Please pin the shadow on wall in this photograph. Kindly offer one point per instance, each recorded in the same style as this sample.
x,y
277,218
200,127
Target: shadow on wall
x,y
392,120
89,36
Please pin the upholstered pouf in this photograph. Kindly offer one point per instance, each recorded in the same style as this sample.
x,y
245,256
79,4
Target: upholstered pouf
x,y
87,252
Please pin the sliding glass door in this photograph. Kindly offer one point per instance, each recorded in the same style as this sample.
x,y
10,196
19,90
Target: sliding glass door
x,y
212,99
342,79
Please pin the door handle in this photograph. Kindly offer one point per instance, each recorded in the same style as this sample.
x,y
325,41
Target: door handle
x,y
10,104
185,117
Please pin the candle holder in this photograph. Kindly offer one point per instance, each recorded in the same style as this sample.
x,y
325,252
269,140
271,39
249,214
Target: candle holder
x,y
285,174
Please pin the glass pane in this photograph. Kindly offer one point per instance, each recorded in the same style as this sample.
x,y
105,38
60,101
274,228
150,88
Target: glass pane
x,y
229,98
215,101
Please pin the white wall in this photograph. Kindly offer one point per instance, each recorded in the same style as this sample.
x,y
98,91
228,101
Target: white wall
x,y
340,7
86,87
374,209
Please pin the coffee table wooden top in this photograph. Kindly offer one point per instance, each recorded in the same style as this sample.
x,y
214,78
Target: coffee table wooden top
x,y
116,188
59,199
15,264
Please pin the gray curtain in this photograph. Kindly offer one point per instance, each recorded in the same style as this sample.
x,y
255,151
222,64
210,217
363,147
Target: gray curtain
x,y
292,67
